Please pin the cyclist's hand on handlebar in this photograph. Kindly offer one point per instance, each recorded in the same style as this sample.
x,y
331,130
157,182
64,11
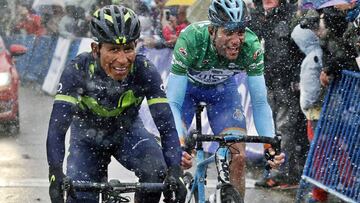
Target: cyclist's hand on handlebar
x,y
186,160
176,190
56,177
273,155
68,187
277,160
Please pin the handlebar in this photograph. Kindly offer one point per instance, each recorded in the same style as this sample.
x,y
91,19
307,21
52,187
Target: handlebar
x,y
230,138
116,185
194,137
111,189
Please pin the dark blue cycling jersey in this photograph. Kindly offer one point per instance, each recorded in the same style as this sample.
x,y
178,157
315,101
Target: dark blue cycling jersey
x,y
87,97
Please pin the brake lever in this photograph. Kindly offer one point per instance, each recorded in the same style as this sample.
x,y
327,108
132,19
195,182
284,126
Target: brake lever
x,y
270,155
66,187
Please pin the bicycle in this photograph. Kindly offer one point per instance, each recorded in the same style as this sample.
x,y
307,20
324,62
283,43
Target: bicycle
x,y
110,192
225,192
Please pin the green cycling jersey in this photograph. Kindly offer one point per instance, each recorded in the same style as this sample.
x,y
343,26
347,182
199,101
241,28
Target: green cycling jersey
x,y
196,57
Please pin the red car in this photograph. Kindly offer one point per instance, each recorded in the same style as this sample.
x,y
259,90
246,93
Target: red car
x,y
9,88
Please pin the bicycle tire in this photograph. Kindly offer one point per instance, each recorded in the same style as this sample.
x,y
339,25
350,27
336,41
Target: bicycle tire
x,y
188,180
229,194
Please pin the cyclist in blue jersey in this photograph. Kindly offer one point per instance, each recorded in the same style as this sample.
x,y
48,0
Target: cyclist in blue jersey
x,y
206,57
99,96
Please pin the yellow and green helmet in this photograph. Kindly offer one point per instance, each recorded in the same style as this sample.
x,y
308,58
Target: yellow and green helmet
x,y
115,24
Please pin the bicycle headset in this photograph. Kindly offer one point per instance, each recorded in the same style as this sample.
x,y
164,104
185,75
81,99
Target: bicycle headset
x,y
230,14
115,24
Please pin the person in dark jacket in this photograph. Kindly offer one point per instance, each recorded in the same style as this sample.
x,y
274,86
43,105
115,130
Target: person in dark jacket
x,y
339,45
282,69
99,96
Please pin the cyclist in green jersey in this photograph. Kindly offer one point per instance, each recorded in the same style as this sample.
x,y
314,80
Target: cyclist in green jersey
x,y
206,57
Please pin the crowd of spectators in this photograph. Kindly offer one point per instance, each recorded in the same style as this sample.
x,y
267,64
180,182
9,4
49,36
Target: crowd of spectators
x,y
305,49
176,18
69,19
27,21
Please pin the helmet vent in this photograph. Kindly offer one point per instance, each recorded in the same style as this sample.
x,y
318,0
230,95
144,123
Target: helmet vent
x,y
231,14
221,13
227,3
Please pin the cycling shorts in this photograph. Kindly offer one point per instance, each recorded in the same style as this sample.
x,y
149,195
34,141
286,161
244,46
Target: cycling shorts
x,y
135,148
224,109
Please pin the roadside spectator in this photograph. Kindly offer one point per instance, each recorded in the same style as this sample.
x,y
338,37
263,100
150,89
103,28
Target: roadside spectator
x,y
176,16
67,22
50,17
156,16
27,22
147,29
169,31
339,54
282,78
81,23
352,34
257,17
181,19
4,22
145,20
73,23
156,13
311,92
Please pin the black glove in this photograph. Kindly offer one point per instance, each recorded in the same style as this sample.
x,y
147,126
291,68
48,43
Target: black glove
x,y
56,176
176,190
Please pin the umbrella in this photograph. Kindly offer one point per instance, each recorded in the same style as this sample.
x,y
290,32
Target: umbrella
x,y
179,2
317,4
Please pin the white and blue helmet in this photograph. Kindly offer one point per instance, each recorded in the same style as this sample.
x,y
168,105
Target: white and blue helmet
x,y
230,14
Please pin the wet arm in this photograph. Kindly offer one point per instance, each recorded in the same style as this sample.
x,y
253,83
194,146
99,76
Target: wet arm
x,y
176,89
60,121
261,109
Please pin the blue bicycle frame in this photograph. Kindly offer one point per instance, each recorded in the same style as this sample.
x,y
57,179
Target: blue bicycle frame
x,y
199,179
202,162
200,172
196,138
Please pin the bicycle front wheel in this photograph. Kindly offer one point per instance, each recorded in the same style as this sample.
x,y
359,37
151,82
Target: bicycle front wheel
x,y
229,194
